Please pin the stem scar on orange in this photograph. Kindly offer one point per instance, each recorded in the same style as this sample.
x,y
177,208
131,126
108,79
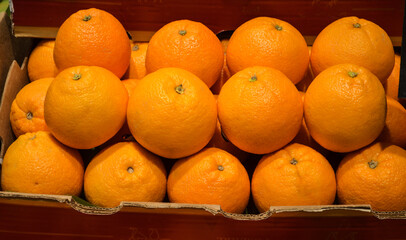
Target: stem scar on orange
x,y
85,106
92,37
353,40
260,110
295,175
189,45
172,113
212,176
345,108
374,175
265,41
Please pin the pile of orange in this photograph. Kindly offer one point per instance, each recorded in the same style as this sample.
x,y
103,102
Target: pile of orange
x,y
150,115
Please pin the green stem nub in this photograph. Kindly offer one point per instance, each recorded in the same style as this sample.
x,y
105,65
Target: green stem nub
x,y
136,47
293,161
87,18
372,164
130,170
29,115
253,78
182,32
352,74
76,76
279,28
179,89
220,167
357,25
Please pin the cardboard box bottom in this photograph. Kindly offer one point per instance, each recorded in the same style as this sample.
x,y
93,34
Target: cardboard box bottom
x,y
52,217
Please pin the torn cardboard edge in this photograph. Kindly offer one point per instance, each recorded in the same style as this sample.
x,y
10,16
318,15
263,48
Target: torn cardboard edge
x,y
199,209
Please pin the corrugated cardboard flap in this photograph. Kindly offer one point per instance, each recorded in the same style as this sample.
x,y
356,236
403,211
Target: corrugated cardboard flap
x,y
17,78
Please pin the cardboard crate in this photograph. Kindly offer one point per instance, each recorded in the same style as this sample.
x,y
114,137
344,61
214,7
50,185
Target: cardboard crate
x,y
39,216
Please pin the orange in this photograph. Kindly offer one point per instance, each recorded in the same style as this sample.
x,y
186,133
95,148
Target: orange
x,y
260,110
353,40
124,134
27,109
85,106
308,77
395,125
293,176
137,67
225,73
345,108
265,41
219,141
392,82
124,172
130,84
41,62
37,163
304,137
211,176
172,113
374,175
92,37
189,45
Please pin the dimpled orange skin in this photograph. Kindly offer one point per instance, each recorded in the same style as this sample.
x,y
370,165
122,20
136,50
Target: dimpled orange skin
x,y
168,123
124,172
100,41
124,134
198,50
395,124
218,141
383,187
27,109
198,179
345,113
41,62
392,83
263,115
38,163
86,112
367,45
277,181
304,137
137,68
258,42
224,74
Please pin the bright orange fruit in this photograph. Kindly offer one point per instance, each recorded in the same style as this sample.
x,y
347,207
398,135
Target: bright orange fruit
x,y
92,37
189,45
211,176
